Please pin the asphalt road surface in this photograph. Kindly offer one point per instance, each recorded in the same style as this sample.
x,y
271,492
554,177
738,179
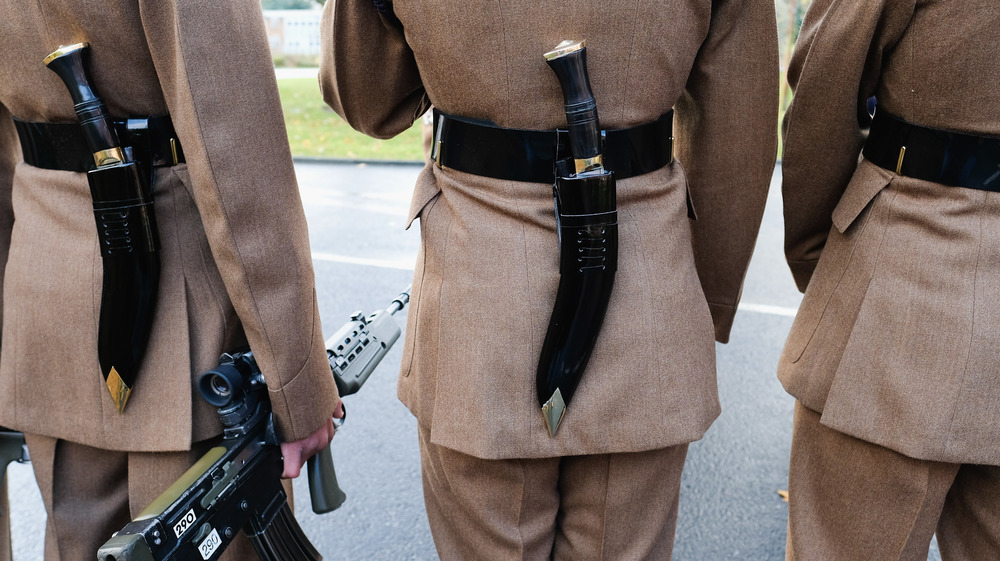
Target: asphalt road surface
x,y
729,507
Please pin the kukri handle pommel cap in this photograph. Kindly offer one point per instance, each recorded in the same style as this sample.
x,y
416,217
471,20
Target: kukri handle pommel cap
x,y
569,61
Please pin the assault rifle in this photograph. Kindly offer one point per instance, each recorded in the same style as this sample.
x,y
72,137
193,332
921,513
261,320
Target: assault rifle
x,y
237,484
12,449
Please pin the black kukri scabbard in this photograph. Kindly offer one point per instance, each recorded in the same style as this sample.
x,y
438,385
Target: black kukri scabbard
x,y
126,230
587,222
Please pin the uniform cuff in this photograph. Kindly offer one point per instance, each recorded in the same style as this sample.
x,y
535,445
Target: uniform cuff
x,y
722,318
304,404
802,271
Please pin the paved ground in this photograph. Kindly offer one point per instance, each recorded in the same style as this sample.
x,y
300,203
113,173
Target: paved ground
x,y
730,507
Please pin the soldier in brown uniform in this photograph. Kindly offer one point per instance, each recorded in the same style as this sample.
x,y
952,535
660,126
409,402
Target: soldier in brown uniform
x,y
894,235
496,484
235,258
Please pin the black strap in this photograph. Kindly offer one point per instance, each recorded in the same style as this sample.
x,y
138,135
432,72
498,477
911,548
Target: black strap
x,y
949,158
482,148
61,146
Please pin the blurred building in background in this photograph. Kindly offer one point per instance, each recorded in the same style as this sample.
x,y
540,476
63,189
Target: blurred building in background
x,y
294,36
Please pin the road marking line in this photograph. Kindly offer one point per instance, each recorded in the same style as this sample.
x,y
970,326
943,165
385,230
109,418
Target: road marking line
x,y
402,264
313,199
405,265
768,309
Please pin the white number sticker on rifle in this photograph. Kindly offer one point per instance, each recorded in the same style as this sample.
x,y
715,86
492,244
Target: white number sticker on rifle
x,y
185,523
208,546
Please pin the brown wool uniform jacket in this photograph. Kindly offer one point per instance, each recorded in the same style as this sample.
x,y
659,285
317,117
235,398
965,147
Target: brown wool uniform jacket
x,y
486,275
896,339
235,253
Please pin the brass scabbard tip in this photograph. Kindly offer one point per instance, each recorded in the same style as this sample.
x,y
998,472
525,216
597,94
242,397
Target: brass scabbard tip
x,y
564,48
64,50
553,411
119,390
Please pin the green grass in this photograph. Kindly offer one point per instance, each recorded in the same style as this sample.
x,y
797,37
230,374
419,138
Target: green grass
x,y
315,130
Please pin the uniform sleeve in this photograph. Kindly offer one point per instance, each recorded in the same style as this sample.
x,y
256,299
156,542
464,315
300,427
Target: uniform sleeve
x,y
215,69
834,70
10,154
367,71
726,123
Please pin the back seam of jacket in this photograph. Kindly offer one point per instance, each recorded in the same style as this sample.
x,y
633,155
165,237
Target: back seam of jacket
x,y
628,66
506,62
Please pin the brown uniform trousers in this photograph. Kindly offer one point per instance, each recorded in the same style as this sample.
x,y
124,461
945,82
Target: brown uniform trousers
x,y
597,506
235,259
854,500
487,272
893,354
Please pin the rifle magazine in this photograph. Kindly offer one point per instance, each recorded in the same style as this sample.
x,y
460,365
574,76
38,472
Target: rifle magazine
x,y
282,539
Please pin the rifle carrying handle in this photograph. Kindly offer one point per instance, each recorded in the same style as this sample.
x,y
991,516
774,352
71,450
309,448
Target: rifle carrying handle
x,y
324,490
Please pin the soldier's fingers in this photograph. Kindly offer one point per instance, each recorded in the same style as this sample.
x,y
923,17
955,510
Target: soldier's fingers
x,y
292,455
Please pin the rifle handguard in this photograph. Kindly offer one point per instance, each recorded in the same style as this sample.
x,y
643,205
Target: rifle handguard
x,y
353,351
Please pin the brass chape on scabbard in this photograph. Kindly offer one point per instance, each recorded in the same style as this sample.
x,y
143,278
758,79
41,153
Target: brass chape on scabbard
x,y
554,410
119,390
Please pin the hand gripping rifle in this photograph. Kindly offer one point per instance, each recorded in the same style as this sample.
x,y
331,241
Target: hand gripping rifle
x,y
237,484
587,222
12,449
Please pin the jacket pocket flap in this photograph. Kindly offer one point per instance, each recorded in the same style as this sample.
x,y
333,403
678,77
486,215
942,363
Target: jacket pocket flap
x,y
867,182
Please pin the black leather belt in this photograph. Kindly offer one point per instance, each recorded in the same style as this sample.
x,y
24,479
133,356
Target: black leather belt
x,y
61,146
484,149
950,158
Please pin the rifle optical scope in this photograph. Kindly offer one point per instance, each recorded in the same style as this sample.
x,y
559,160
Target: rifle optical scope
x,y
222,385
